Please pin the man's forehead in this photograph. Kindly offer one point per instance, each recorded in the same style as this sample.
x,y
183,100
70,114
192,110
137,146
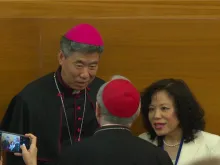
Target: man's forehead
x,y
86,57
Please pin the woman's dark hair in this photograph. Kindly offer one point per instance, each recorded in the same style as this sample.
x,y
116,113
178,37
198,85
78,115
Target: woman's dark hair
x,y
189,113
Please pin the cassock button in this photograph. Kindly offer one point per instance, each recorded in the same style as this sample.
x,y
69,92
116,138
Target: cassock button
x,y
78,130
78,107
79,118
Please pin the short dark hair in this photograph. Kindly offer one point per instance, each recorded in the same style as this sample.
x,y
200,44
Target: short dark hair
x,y
189,113
68,47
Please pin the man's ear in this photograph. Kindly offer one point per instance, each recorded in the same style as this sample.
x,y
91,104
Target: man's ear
x,y
61,58
138,112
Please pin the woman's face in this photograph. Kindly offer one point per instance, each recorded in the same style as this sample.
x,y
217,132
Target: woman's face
x,y
162,115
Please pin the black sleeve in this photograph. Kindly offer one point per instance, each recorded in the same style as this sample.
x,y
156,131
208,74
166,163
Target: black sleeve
x,y
16,120
163,158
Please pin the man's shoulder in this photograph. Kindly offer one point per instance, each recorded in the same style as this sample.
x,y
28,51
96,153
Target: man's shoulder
x,y
146,136
145,142
37,85
147,147
95,145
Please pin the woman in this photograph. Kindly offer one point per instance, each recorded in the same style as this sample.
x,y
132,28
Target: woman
x,y
175,122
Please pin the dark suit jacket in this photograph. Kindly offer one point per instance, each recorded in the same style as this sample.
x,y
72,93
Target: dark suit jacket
x,y
111,145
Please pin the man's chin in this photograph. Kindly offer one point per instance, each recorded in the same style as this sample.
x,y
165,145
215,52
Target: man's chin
x,y
79,87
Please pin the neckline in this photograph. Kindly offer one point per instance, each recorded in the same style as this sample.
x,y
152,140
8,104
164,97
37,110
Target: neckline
x,y
110,128
64,87
61,81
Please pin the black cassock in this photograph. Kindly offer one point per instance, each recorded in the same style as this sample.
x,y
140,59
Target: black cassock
x,y
114,145
38,109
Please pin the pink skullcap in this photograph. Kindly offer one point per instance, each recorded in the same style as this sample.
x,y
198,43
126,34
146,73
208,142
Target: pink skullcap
x,y
121,98
85,34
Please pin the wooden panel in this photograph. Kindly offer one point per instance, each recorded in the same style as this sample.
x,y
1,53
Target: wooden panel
x,y
146,52
144,40
110,9
19,56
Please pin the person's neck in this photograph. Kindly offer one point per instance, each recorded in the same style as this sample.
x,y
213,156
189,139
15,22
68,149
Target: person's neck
x,y
64,81
103,124
174,137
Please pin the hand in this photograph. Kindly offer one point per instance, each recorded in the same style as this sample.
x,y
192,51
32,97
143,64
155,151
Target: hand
x,y
1,161
29,156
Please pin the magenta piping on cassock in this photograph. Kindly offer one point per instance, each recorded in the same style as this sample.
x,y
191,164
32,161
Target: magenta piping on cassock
x,y
60,132
74,104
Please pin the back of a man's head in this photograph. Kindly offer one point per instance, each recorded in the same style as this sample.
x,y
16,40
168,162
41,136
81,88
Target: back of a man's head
x,y
118,102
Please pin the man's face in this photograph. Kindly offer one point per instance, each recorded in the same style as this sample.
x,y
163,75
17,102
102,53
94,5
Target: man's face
x,y
78,70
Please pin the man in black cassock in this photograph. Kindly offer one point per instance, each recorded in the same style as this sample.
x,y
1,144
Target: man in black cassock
x,y
59,108
118,105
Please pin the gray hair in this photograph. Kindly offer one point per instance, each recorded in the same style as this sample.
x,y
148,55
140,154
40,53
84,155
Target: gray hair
x,y
108,117
68,47
114,77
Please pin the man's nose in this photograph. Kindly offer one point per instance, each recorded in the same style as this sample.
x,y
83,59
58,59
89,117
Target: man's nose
x,y
85,73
